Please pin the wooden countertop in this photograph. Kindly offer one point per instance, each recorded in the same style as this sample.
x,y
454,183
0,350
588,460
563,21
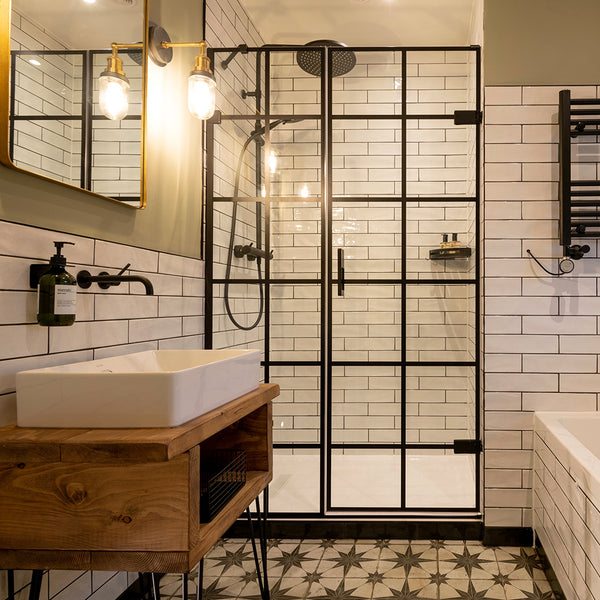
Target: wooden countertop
x,y
21,444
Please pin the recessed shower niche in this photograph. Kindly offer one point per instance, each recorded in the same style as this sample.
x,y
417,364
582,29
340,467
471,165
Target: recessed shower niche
x,y
350,180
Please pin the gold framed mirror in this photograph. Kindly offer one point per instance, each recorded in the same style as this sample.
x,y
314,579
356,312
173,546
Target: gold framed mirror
x,y
52,55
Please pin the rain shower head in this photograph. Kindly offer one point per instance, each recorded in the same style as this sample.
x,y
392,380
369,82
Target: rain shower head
x,y
342,62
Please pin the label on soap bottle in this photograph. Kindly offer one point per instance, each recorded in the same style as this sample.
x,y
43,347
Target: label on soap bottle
x,y
65,299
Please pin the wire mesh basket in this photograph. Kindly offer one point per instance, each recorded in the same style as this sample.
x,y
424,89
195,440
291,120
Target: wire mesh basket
x,y
223,475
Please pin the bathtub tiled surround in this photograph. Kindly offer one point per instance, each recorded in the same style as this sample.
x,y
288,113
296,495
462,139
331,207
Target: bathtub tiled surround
x,y
110,322
541,342
566,498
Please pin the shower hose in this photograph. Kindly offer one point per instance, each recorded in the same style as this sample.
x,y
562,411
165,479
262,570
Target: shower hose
x,y
236,187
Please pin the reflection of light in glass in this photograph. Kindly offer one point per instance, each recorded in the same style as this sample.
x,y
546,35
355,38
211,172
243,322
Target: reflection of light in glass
x,y
263,192
281,423
113,96
304,192
90,1
272,162
398,83
34,62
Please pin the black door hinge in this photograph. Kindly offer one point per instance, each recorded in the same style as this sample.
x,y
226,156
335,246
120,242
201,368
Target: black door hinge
x,y
467,117
467,446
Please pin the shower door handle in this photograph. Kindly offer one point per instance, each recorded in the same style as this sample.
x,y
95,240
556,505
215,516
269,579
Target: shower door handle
x,y
340,273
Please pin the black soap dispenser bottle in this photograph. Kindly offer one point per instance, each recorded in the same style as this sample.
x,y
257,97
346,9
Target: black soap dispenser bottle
x,y
57,292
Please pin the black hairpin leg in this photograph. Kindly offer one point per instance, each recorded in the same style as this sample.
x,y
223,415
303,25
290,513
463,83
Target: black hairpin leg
x,y
185,582
36,584
200,579
263,582
184,586
11,584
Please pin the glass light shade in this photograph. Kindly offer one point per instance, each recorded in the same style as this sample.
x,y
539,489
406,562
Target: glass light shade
x,y
201,95
114,96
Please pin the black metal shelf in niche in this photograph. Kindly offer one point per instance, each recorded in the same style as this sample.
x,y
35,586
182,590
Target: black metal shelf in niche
x,y
579,198
328,279
85,118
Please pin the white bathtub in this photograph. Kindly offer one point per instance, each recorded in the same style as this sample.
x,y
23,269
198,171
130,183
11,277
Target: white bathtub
x,y
566,498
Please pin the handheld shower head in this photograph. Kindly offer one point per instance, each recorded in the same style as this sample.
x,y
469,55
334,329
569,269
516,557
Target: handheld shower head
x,y
342,62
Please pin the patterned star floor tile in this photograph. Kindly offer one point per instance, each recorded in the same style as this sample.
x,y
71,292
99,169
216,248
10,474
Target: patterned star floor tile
x,y
469,563
522,589
405,589
520,563
472,589
331,569
346,589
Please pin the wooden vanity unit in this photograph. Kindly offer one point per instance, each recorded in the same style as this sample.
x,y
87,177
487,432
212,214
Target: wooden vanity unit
x,y
125,499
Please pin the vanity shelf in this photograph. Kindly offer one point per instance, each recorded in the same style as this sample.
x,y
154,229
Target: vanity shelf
x,y
125,499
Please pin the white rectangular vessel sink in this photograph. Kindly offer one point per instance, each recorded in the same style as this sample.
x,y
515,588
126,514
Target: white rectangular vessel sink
x,y
156,388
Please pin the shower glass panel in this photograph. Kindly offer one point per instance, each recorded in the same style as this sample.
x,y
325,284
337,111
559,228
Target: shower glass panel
x,y
294,159
427,223
367,323
440,324
295,325
341,181
296,240
437,480
293,91
440,81
369,233
373,86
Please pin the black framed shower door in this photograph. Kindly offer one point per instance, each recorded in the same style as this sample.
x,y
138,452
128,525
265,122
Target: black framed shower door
x,y
376,346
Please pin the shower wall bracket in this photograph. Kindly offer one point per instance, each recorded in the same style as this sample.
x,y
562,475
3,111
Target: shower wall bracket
x,y
579,198
468,117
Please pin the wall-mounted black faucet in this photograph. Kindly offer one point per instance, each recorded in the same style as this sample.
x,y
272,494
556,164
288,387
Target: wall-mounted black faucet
x,y
105,280
251,252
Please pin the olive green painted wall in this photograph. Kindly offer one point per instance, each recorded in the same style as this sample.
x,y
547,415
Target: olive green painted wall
x,y
541,42
171,221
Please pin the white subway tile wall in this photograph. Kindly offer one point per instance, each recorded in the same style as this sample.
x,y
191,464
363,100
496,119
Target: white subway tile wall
x,y
541,342
110,322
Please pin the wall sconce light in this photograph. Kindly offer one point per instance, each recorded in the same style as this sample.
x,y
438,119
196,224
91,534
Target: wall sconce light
x,y
114,85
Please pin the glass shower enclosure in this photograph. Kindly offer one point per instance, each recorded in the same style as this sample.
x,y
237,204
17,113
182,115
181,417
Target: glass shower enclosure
x,y
340,182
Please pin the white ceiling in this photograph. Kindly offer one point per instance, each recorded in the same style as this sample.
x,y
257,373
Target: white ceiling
x,y
363,22
81,26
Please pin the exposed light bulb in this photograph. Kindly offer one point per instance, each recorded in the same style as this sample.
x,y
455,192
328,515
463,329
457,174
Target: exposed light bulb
x,y
304,192
202,88
272,162
201,95
113,96
90,1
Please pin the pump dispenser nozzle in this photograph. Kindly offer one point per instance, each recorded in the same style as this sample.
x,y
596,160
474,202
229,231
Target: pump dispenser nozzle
x,y
58,258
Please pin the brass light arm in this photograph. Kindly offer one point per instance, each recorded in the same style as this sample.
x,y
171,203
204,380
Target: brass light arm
x,y
183,44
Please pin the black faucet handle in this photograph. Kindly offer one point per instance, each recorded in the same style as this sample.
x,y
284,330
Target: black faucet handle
x,y
124,269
